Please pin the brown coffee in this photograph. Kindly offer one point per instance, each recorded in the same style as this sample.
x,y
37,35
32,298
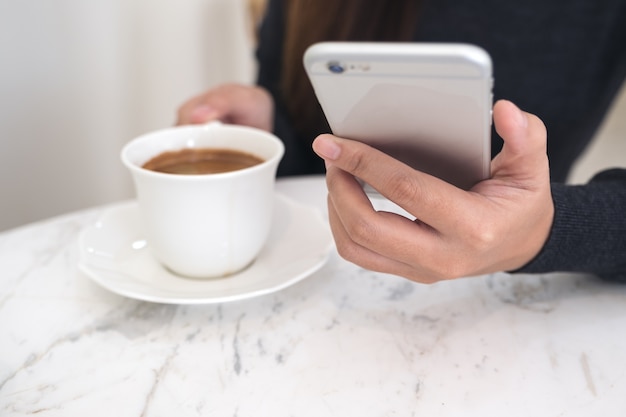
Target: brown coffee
x,y
192,161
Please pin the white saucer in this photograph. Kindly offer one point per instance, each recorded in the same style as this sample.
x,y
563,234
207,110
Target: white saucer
x,y
115,255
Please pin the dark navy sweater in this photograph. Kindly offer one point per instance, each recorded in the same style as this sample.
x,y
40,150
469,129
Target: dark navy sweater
x,y
564,62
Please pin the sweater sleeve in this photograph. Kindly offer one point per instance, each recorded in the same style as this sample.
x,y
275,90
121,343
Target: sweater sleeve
x,y
589,229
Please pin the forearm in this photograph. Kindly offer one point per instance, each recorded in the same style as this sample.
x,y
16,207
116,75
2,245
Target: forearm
x,y
589,229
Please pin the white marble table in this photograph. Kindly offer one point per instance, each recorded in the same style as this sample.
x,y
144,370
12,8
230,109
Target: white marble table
x,y
343,342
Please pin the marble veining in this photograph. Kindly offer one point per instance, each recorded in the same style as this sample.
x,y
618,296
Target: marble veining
x,y
343,342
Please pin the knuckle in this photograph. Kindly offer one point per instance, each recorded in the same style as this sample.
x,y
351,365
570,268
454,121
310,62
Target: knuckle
x,y
347,251
357,163
362,231
403,188
483,237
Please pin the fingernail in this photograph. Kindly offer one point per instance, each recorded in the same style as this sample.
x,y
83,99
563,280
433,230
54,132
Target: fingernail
x,y
522,120
326,148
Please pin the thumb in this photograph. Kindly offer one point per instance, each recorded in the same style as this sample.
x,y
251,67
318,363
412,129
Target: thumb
x,y
523,156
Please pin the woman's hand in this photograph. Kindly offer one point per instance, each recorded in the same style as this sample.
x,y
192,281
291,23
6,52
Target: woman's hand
x,y
230,103
500,224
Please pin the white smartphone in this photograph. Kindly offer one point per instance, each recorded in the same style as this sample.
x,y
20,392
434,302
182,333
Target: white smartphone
x,y
425,104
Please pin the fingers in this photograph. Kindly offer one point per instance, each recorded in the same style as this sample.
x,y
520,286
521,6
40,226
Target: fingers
x,y
365,256
378,241
420,194
201,109
230,103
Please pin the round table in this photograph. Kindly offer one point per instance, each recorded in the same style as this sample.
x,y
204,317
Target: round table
x,y
342,342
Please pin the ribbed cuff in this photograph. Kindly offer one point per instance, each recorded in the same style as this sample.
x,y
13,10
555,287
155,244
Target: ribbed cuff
x,y
589,229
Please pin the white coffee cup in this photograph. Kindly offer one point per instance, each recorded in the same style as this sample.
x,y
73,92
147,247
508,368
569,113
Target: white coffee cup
x,y
207,225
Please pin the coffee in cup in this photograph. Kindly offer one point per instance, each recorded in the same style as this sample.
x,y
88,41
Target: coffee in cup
x,y
191,161
212,215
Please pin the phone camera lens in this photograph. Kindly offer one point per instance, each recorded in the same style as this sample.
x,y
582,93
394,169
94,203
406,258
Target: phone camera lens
x,y
335,67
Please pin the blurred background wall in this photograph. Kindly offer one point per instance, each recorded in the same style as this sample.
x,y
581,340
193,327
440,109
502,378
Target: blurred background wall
x,y
79,78
608,149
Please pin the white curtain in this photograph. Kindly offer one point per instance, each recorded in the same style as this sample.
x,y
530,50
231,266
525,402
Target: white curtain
x,y
79,78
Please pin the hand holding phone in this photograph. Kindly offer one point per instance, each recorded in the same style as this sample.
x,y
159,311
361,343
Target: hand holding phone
x,y
500,226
